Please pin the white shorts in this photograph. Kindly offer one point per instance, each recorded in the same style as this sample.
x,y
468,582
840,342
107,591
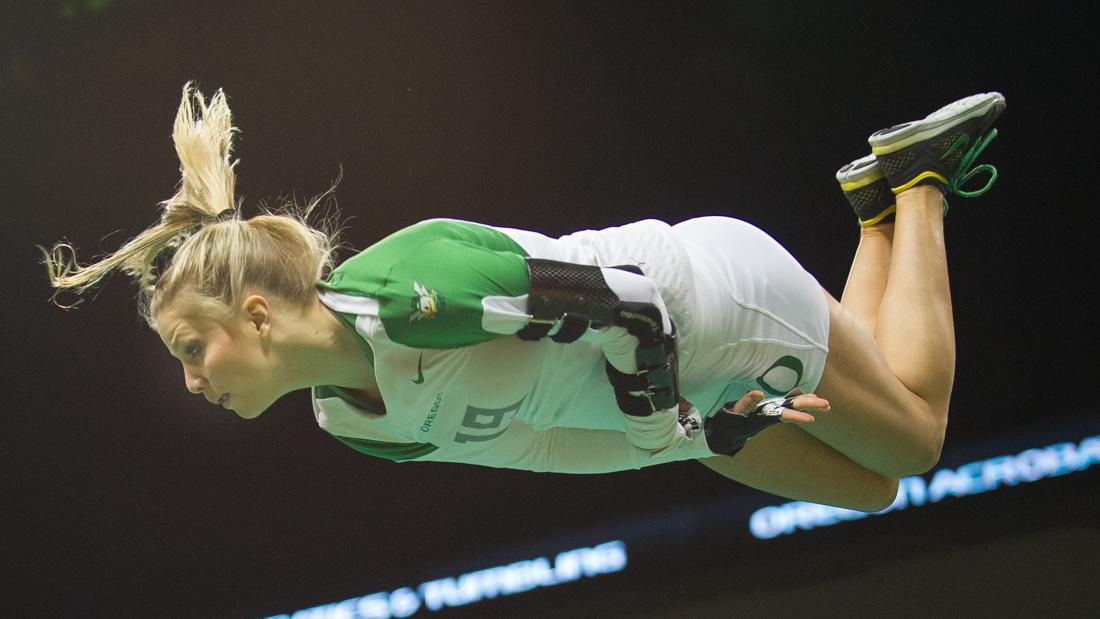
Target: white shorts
x,y
758,319
748,315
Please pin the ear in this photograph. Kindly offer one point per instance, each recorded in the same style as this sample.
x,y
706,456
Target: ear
x,y
258,310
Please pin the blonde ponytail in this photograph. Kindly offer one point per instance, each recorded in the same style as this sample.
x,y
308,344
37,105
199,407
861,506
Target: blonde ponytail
x,y
217,255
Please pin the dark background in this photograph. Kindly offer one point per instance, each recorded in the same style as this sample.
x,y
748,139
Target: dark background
x,y
124,495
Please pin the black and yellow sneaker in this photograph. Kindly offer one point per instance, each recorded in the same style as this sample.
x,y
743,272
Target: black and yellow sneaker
x,y
940,149
867,191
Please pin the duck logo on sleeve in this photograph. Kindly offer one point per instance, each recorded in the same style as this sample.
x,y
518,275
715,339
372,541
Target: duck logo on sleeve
x,y
426,303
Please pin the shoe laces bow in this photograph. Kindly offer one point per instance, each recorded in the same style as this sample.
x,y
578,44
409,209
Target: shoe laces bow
x,y
967,170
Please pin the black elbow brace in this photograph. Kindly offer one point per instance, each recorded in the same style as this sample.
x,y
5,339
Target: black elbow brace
x,y
577,296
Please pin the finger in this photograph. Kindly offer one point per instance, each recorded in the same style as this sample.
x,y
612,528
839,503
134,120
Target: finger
x,y
793,416
748,402
811,401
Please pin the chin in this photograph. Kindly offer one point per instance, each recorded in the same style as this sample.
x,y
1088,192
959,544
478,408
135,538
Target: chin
x,y
246,412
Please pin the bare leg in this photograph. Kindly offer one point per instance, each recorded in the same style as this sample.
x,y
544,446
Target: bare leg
x,y
785,461
866,283
889,398
917,333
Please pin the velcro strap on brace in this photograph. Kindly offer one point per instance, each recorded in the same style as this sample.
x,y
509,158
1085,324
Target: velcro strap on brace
x,y
727,432
535,331
572,328
656,386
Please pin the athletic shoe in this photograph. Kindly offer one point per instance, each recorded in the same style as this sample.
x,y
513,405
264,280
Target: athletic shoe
x,y
940,149
867,191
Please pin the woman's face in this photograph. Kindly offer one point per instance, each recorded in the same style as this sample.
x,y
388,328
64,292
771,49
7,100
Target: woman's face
x,y
223,359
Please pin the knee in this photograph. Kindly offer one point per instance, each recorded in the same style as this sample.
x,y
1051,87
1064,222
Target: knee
x,y
881,496
925,461
925,450
875,495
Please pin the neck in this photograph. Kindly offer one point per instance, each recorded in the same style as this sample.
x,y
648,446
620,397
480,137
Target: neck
x,y
318,348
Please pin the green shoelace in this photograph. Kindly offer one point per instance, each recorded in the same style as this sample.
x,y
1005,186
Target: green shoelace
x,y
967,171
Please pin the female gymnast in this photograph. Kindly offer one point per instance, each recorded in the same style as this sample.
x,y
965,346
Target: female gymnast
x,y
598,351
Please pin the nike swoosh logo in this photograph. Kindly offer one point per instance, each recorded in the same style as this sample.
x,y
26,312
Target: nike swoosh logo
x,y
419,372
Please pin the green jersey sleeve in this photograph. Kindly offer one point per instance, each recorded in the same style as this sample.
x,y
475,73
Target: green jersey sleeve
x,y
433,281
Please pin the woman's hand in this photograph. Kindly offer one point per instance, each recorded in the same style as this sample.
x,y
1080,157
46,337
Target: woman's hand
x,y
796,414
735,423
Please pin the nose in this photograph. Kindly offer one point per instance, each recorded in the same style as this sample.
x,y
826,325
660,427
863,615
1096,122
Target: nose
x,y
194,382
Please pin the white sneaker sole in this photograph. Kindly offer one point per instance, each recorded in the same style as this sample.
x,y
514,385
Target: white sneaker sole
x,y
859,173
896,138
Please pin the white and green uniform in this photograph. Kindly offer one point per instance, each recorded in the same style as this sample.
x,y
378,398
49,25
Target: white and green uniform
x,y
437,306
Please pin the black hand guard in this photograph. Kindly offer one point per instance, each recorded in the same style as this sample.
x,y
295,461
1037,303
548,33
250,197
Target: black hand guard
x,y
727,431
